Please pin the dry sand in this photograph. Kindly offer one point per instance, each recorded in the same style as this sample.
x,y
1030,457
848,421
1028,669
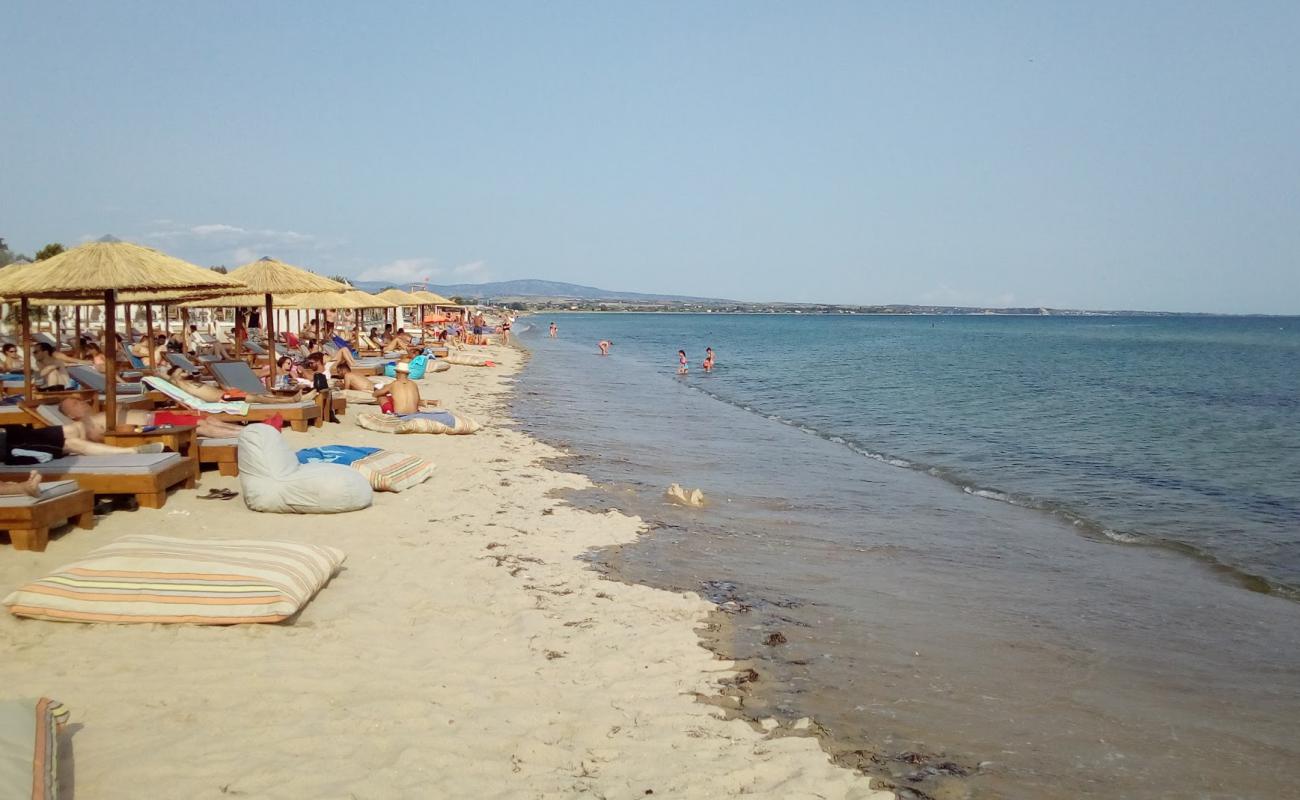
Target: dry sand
x,y
464,651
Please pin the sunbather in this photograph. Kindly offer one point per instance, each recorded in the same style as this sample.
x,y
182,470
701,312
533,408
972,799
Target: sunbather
x,y
30,487
403,395
79,410
215,394
51,373
78,438
350,380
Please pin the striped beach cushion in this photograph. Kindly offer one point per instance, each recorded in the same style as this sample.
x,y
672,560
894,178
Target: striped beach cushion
x,y
390,471
385,423
163,579
29,748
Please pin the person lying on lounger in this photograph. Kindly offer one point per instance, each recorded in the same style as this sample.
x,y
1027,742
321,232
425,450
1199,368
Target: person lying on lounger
x,y
214,394
30,487
350,380
73,439
403,395
77,409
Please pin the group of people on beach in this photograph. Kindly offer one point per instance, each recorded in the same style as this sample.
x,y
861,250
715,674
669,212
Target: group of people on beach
x,y
706,365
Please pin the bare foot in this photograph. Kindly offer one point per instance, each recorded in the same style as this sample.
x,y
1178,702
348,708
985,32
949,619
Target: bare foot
x,y
32,485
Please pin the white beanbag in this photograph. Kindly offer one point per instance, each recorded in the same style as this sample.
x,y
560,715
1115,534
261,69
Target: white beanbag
x,y
273,480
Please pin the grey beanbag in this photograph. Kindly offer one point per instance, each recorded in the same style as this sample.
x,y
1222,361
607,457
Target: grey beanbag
x,y
273,480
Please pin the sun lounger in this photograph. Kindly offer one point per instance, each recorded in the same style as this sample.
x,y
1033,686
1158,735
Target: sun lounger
x,y
298,415
237,375
92,378
148,476
223,453
180,360
29,519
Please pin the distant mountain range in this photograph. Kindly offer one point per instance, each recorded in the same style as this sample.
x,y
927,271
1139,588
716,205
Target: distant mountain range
x,y
528,289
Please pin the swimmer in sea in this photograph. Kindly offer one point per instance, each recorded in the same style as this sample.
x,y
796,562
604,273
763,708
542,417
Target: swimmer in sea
x,y
681,362
554,330
604,347
708,359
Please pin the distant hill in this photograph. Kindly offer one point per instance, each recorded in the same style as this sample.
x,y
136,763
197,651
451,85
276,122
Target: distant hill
x,y
526,289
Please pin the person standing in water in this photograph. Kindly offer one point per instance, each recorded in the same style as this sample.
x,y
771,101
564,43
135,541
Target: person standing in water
x,y
604,347
554,330
708,359
681,362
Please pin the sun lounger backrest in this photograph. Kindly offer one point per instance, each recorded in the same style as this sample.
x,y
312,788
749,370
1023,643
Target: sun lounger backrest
x,y
180,360
237,375
135,360
52,416
254,348
89,377
179,395
47,339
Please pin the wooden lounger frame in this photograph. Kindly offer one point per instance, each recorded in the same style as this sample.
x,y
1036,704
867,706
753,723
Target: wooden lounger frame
x,y
150,488
29,525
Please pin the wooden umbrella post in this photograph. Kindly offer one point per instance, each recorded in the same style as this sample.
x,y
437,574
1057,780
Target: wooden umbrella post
x,y
234,331
269,325
25,325
110,362
76,322
148,332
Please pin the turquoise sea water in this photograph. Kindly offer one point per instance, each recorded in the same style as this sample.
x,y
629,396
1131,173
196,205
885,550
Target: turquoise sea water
x,y
1060,553
1176,430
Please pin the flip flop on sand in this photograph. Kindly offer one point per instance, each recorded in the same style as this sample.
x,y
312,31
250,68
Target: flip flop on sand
x,y
219,494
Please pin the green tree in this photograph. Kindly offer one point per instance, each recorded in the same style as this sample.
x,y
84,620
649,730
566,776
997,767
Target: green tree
x,y
458,300
49,251
340,279
222,269
6,257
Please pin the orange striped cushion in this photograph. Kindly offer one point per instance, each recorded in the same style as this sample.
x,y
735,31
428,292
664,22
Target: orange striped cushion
x,y
390,471
163,579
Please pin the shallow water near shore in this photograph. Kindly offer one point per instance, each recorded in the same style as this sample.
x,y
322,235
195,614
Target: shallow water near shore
x,y
1013,650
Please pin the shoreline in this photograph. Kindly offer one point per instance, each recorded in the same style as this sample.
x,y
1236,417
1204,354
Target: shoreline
x,y
466,647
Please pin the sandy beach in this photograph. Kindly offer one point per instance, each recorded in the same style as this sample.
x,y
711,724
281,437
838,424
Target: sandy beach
x,y
465,650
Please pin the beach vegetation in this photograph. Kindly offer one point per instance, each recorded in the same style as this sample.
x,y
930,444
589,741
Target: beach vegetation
x,y
49,251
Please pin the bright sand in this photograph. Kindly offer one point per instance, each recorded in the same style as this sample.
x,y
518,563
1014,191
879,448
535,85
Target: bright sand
x,y
465,650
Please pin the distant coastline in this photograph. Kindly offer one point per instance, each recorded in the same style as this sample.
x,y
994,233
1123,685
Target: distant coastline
x,y
553,305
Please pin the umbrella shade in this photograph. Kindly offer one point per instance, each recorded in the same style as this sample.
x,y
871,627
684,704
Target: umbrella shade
x,y
400,298
268,276
367,300
97,267
431,298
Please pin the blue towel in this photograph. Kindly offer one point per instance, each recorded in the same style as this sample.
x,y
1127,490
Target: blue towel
x,y
334,454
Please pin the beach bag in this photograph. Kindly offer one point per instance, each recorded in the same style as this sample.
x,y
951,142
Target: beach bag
x,y
418,365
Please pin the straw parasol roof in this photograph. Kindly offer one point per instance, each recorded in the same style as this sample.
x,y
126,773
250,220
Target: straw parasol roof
x,y
268,276
399,297
367,300
94,268
431,298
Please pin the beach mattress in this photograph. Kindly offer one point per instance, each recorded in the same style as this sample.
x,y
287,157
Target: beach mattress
x,y
273,481
29,748
146,578
391,471
467,360
444,422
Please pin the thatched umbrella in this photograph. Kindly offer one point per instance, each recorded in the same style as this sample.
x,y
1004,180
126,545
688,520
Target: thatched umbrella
x,y
398,297
101,270
267,276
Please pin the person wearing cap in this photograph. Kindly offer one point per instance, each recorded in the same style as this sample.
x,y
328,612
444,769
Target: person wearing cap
x,y
402,396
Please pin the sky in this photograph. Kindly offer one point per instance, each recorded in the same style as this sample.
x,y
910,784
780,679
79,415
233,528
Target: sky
x,y
1075,155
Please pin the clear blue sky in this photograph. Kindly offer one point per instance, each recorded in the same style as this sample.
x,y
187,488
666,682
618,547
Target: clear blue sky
x,y
1125,155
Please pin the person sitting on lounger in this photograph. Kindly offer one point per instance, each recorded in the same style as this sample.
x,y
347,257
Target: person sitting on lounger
x,y
77,409
215,394
403,395
51,373
13,362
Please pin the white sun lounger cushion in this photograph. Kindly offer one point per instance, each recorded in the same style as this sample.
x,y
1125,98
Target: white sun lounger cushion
x,y
145,578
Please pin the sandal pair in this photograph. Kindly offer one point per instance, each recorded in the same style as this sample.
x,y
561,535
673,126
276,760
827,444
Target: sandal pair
x,y
219,494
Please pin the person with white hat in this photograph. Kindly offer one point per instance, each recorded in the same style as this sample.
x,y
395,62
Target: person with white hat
x,y
402,395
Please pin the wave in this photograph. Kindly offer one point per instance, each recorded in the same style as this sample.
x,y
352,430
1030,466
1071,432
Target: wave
x,y
1086,525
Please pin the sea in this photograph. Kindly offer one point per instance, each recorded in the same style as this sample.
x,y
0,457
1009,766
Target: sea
x,y
987,556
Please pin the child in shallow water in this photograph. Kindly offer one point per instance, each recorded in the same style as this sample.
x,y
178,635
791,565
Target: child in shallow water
x,y
681,362
708,359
